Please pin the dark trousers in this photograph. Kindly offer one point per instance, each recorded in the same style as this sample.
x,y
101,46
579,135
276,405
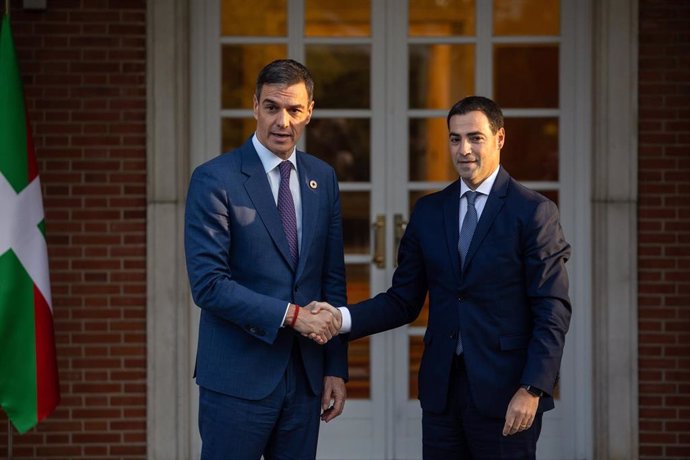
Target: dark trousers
x,y
462,433
282,426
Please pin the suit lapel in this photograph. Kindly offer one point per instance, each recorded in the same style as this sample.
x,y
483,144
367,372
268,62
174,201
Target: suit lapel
x,y
493,206
310,207
451,216
259,191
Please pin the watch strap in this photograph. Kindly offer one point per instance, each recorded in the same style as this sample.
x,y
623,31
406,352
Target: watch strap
x,y
534,391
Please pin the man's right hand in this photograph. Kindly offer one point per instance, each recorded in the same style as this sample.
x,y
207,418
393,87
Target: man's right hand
x,y
320,326
319,308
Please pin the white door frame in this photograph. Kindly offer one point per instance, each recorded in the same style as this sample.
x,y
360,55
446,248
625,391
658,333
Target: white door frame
x,y
614,205
613,196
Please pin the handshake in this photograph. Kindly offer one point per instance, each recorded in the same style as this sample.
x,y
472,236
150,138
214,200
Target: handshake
x,y
319,321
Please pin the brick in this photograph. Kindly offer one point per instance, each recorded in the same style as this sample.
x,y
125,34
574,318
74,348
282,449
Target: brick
x,y
679,301
658,413
650,352
678,326
657,338
647,425
657,238
59,451
95,252
647,326
127,29
678,451
96,438
657,438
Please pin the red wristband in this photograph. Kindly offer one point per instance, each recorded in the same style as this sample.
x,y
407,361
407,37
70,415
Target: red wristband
x,y
294,316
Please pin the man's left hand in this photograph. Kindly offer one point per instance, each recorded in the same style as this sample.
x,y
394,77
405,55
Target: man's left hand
x,y
521,412
333,399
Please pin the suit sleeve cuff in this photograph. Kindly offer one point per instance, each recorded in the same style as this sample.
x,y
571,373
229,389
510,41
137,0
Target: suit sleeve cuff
x,y
346,326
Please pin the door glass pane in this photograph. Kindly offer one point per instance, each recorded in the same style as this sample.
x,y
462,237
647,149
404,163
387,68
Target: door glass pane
x,y
235,131
355,212
551,195
429,158
240,66
344,144
341,75
526,17
335,18
415,357
440,75
445,18
255,18
358,387
530,152
526,76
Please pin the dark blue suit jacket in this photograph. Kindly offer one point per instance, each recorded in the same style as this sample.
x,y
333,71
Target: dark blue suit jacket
x,y
510,301
241,275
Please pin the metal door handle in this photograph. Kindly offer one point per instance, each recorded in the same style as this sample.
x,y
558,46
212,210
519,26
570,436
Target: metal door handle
x,y
380,241
400,226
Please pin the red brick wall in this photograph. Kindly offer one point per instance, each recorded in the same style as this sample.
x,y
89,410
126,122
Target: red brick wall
x,y
664,229
83,63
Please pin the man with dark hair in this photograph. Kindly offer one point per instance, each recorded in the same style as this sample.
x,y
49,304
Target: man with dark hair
x,y
263,234
491,255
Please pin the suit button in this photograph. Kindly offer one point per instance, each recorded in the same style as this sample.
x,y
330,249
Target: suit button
x,y
459,299
252,330
453,335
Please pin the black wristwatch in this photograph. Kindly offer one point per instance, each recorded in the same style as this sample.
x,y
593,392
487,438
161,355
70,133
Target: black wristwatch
x,y
534,391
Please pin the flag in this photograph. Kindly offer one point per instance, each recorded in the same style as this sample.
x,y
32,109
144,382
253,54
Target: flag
x,y
29,389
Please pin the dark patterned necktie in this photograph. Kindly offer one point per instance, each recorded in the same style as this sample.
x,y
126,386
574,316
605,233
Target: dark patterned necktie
x,y
286,209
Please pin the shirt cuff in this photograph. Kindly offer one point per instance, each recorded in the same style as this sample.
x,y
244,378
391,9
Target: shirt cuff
x,y
346,326
287,307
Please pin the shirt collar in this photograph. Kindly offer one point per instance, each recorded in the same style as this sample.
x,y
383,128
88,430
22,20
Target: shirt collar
x,y
485,187
270,160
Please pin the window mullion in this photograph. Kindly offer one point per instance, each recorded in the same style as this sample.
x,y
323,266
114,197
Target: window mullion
x,y
484,52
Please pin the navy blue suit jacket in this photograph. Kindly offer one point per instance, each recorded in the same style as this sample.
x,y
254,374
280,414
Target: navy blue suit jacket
x,y
242,276
510,301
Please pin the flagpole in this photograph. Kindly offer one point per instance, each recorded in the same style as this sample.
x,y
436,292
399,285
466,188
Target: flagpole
x,y
9,440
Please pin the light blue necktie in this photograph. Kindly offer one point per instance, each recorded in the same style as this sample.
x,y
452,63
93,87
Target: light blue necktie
x,y
469,224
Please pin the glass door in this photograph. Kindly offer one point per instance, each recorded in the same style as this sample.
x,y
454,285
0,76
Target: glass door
x,y
343,48
342,45
446,50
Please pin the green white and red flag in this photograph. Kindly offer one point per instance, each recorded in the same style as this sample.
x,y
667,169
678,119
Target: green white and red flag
x,y
29,389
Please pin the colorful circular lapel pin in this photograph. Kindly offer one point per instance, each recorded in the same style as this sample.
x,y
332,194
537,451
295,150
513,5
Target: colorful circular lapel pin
x,y
313,185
